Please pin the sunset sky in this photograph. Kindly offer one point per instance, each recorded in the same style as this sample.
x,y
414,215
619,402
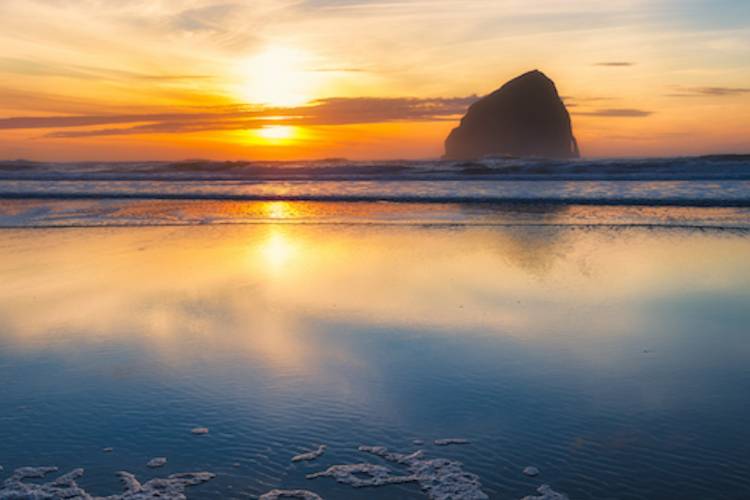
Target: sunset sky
x,y
290,79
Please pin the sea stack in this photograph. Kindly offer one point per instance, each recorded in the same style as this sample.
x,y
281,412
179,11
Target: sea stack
x,y
524,117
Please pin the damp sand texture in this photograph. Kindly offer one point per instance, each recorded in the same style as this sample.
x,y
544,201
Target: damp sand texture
x,y
585,351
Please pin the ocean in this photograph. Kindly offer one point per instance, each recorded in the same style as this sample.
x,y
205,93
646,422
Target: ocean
x,y
586,318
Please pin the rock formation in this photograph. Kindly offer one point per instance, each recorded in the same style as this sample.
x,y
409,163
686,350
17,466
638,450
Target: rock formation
x,y
524,117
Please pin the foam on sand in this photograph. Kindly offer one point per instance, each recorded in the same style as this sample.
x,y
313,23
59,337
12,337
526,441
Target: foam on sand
x,y
279,494
310,455
65,486
546,493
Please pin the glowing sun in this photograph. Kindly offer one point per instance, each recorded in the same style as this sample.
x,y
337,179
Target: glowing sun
x,y
275,134
278,76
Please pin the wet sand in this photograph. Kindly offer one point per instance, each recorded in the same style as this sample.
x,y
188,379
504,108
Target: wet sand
x,y
599,355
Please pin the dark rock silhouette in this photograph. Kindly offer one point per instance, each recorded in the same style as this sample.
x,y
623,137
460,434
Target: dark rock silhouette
x,y
524,117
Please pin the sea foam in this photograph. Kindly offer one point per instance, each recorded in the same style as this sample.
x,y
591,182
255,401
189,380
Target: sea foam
x,y
439,478
18,486
310,455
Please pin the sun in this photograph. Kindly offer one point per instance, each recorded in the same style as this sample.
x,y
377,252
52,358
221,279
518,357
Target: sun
x,y
275,132
278,76
275,135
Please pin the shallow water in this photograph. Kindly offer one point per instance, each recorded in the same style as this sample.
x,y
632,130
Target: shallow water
x,y
612,357
722,180
733,193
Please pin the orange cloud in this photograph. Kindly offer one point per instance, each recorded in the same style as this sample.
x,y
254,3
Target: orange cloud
x,y
331,111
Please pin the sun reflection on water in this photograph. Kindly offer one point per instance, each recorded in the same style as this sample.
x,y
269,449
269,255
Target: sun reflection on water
x,y
277,250
205,281
278,210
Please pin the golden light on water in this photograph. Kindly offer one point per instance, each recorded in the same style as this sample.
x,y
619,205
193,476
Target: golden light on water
x,y
277,250
301,270
278,210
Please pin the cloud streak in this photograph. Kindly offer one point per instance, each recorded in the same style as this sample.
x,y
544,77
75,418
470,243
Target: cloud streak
x,y
11,65
616,113
710,92
615,64
331,111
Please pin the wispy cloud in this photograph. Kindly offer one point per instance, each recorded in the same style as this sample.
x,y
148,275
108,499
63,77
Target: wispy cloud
x,y
574,102
24,122
332,111
710,91
616,113
211,18
615,64
37,68
335,69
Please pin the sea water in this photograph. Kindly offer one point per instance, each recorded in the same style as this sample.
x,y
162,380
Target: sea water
x,y
603,342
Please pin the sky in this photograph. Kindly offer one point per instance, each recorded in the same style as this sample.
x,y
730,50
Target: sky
x,y
377,79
